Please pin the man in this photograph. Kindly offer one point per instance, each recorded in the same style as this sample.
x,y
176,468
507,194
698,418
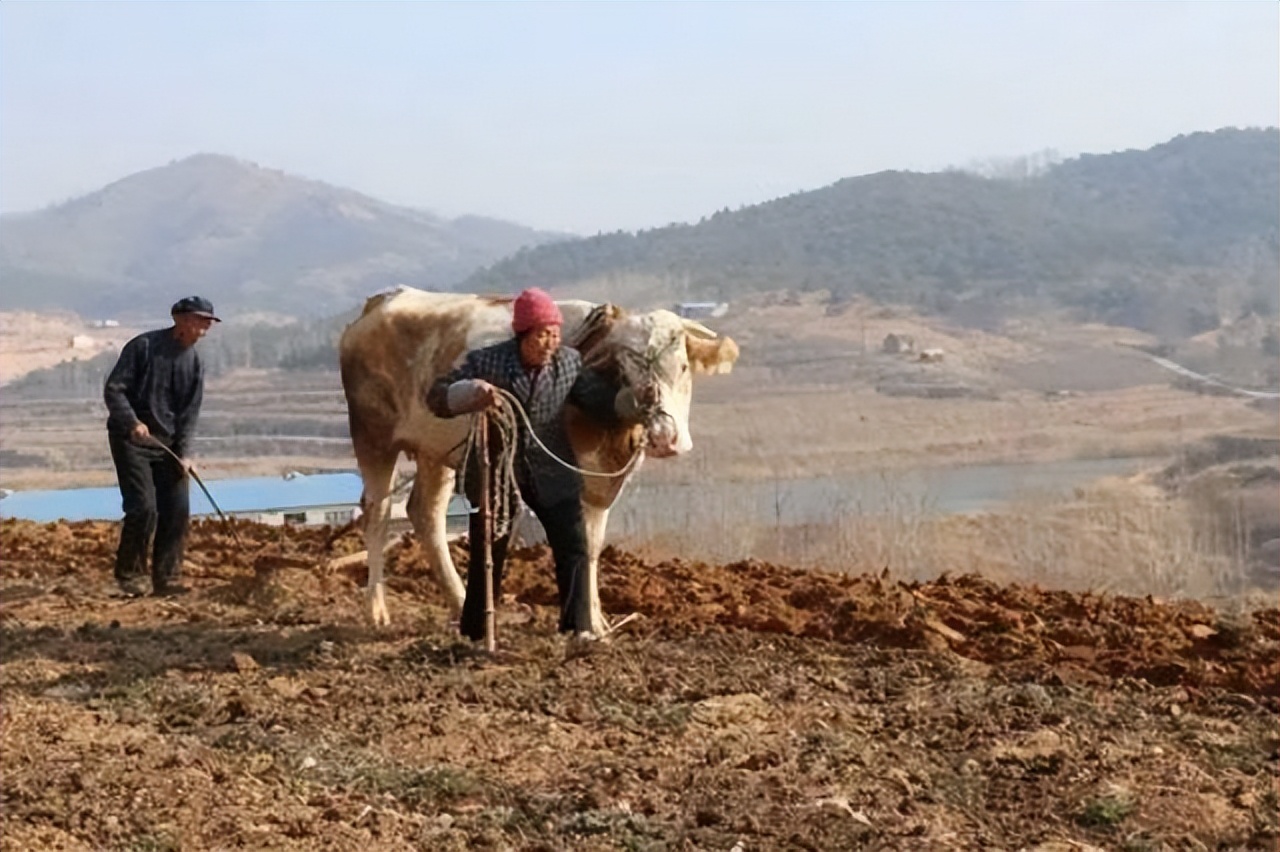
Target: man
x,y
153,398
543,376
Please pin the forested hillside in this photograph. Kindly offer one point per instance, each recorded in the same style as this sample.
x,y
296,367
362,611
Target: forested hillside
x,y
1174,239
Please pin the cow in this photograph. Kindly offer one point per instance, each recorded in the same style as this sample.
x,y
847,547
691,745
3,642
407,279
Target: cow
x,y
405,339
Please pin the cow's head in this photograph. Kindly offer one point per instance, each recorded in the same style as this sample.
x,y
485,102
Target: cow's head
x,y
656,355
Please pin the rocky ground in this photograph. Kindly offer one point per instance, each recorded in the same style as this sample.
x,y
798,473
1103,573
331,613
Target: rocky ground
x,y
748,707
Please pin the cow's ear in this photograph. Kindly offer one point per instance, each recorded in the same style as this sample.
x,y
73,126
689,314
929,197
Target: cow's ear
x,y
711,356
697,329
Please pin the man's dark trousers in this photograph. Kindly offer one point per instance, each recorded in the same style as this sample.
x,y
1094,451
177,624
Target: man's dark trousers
x,y
567,536
156,503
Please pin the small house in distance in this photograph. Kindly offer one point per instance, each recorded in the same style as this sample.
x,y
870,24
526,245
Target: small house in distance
x,y
328,499
294,498
898,344
701,310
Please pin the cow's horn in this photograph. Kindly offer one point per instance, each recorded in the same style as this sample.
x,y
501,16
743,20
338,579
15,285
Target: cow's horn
x,y
697,329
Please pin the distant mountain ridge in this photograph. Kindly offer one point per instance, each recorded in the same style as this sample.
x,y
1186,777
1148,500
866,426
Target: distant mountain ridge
x,y
1172,239
253,239
1176,239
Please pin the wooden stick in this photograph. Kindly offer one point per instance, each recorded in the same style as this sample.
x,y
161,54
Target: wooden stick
x,y
617,625
486,546
340,562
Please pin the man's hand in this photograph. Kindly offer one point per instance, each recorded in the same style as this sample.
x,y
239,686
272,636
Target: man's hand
x,y
140,433
471,395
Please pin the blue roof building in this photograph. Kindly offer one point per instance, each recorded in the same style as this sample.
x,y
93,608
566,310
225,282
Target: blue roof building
x,y
329,498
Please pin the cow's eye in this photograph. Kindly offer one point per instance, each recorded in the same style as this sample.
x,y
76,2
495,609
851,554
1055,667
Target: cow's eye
x,y
684,368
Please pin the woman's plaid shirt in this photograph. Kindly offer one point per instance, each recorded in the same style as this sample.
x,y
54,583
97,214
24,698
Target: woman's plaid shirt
x,y
563,380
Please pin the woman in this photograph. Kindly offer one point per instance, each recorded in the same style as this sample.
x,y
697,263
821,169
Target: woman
x,y
542,375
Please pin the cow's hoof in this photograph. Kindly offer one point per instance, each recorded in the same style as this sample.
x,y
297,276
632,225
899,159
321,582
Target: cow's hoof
x,y
584,643
378,615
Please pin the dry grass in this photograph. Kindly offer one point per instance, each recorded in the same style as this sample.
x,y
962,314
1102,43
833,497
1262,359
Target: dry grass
x,y
749,430
1120,536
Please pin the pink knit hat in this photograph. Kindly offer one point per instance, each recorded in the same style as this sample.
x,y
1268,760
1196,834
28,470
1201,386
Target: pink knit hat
x,y
533,308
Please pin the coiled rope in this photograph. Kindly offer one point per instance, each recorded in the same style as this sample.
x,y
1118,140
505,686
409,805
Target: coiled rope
x,y
505,420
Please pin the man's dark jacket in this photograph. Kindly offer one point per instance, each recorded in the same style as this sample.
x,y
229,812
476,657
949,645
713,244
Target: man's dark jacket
x,y
160,383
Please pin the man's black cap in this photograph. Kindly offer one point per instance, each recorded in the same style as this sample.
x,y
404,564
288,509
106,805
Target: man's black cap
x,y
197,305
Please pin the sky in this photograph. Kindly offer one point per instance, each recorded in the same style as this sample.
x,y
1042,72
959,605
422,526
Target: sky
x,y
592,117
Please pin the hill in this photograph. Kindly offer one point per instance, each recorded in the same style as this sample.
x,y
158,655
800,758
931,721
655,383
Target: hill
x,y
253,239
1176,239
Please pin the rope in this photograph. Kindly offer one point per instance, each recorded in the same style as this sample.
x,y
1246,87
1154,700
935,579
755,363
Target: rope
x,y
514,404
502,471
505,421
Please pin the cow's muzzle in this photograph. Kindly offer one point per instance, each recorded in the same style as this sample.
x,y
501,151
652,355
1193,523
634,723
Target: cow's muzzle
x,y
662,435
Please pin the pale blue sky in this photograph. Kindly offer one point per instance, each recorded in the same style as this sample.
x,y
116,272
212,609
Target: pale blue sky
x,y
599,116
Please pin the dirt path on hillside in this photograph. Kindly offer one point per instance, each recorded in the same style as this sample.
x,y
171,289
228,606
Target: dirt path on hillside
x,y
749,705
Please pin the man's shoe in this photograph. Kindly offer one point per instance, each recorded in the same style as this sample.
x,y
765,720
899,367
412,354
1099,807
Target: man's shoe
x,y
134,588
170,590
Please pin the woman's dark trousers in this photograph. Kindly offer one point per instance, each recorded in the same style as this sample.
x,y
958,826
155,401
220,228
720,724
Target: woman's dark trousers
x,y
157,506
567,537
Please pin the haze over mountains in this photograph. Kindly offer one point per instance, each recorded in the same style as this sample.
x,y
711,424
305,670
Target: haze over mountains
x,y
1175,239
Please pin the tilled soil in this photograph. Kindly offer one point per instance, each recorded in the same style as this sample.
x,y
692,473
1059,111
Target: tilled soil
x,y
749,706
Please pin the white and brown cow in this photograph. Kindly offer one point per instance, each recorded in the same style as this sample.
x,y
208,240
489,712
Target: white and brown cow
x,y
406,339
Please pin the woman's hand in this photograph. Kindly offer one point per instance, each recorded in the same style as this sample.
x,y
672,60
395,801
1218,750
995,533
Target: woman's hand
x,y
471,395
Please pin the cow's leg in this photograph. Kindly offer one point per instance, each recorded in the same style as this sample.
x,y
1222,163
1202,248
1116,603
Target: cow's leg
x,y
376,502
428,510
595,519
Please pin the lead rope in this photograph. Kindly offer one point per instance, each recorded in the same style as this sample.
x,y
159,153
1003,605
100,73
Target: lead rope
x,y
505,421
514,404
502,472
